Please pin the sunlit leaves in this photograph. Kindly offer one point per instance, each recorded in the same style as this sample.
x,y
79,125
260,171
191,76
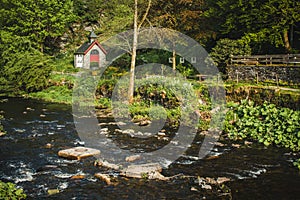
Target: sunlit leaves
x,y
266,124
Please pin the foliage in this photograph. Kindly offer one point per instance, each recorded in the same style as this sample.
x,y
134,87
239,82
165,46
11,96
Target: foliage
x,y
186,70
225,48
9,191
60,94
64,63
23,68
170,99
88,11
103,102
262,21
105,87
117,16
40,21
297,163
266,124
181,15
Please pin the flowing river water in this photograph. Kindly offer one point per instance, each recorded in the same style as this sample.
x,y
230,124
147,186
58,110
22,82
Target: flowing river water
x,y
37,130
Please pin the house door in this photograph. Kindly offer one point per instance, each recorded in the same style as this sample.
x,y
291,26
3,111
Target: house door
x,y
94,59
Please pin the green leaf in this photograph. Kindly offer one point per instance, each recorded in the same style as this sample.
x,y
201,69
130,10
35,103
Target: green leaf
x,y
266,143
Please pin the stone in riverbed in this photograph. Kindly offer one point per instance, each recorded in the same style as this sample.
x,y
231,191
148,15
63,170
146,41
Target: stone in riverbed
x,y
212,157
157,175
53,191
144,123
142,171
103,177
161,134
236,145
78,153
48,146
47,168
133,158
206,187
78,176
221,180
106,164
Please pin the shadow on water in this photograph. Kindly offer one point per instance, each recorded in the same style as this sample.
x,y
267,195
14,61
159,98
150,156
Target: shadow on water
x,y
36,131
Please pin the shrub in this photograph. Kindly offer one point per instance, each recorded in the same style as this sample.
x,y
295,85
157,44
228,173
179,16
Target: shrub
x,y
226,47
9,191
266,124
297,163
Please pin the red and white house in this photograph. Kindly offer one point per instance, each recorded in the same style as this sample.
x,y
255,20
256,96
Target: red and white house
x,y
90,55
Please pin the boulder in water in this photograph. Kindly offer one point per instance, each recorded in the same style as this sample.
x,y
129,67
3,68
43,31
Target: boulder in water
x,y
78,153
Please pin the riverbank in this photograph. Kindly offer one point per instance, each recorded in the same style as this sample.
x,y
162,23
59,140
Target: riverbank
x,y
151,97
60,90
259,121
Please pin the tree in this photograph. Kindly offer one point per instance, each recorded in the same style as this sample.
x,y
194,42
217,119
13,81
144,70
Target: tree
x,y
116,16
181,15
136,28
260,21
41,21
89,11
225,48
22,68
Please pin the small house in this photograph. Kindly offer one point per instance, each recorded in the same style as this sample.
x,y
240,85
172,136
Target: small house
x,y
90,55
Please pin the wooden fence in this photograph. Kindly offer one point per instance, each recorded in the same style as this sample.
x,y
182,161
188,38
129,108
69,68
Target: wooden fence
x,y
266,60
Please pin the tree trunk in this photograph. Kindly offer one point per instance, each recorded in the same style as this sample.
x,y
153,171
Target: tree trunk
x,y
287,44
136,29
133,55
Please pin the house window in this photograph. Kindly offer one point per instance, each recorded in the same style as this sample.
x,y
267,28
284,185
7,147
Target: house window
x,y
94,59
79,59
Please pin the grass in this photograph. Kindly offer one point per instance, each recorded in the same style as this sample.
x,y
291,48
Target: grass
x,y
58,94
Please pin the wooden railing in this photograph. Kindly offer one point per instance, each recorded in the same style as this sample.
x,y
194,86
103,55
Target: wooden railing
x,y
266,60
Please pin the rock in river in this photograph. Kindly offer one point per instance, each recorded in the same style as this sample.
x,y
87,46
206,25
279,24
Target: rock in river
x,y
150,171
133,158
78,153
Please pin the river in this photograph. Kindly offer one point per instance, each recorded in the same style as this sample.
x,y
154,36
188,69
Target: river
x,y
37,130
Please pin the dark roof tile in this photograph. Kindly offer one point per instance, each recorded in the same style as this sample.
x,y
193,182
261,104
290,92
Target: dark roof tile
x,y
83,48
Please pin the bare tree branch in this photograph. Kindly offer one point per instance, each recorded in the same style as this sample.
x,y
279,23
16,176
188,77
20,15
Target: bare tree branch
x,y
145,15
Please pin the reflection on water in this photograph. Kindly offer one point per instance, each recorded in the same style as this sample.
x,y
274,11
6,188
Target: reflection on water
x,y
38,130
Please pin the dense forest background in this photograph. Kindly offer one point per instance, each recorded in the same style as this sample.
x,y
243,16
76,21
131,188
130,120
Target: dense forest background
x,y
37,34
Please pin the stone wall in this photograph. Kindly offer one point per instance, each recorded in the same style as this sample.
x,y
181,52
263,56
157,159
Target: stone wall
x,y
102,58
289,74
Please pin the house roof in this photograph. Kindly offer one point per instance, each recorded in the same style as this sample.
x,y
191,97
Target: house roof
x,y
83,49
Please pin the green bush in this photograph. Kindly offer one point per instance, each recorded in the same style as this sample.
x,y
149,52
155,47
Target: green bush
x,y
103,102
226,47
9,191
23,68
64,63
297,163
266,123
59,94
